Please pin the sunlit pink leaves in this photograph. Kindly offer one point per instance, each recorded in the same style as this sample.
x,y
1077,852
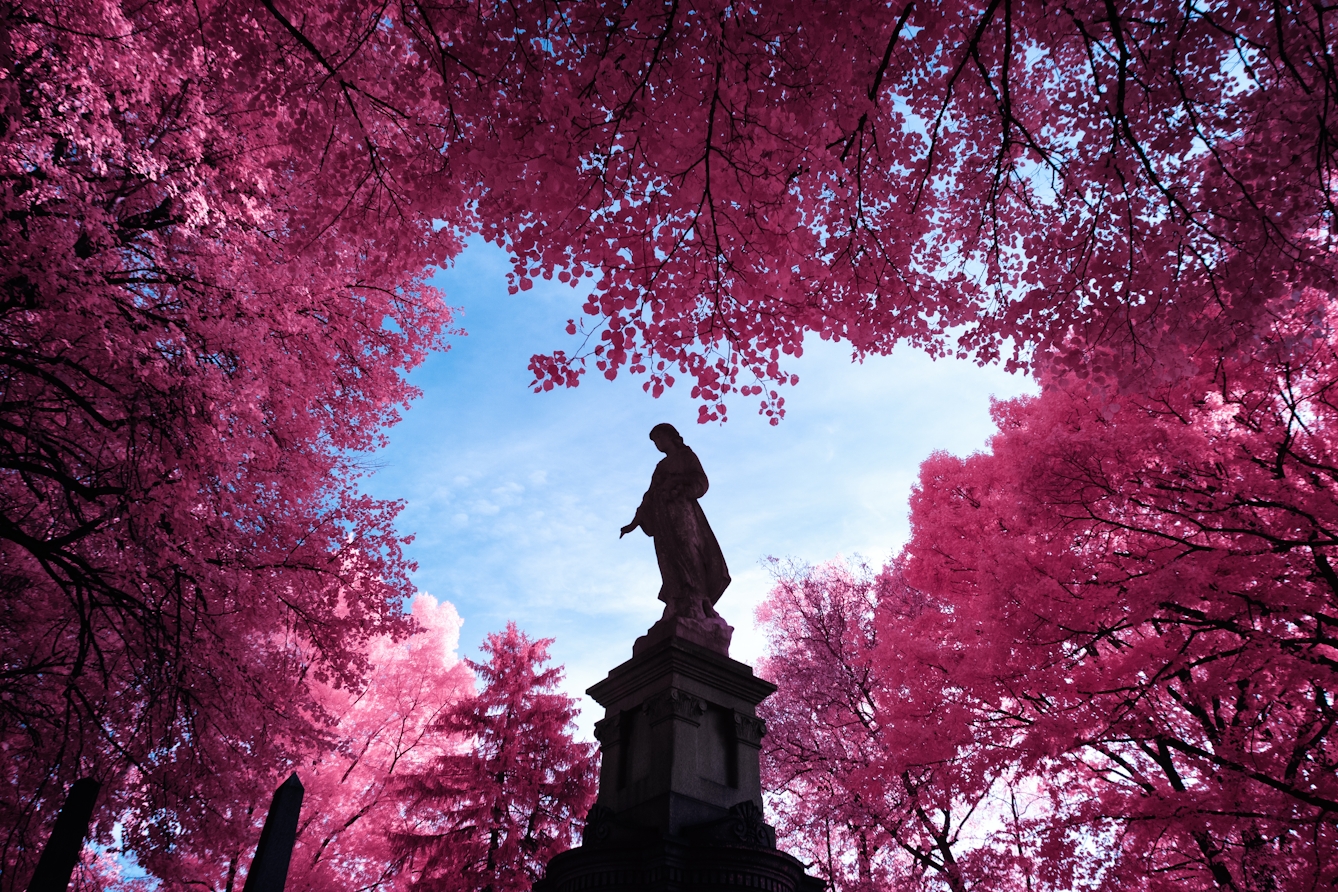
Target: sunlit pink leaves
x,y
1138,588
743,185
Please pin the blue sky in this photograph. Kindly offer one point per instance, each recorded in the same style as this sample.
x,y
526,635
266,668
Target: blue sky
x,y
515,498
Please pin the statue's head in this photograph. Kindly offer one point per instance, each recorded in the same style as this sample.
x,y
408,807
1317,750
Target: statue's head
x,y
665,436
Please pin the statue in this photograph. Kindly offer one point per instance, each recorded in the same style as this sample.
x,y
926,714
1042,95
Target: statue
x,y
692,568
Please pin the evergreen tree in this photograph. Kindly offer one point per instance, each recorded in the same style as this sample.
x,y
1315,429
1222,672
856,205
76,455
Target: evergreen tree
x,y
490,814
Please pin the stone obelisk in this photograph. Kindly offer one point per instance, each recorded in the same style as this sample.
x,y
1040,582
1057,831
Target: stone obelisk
x,y
680,792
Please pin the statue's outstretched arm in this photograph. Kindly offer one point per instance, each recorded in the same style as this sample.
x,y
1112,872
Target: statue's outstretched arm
x,y
637,520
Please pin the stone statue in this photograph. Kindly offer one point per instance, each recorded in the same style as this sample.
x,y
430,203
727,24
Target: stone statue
x,y
680,780
692,568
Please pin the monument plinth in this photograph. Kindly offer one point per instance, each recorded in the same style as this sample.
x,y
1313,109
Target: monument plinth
x,y
680,738
680,790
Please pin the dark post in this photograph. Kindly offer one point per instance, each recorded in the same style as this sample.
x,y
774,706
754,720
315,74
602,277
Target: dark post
x,y
56,865
269,870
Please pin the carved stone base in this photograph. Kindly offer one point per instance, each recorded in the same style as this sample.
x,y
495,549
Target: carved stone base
x,y
711,632
675,865
680,788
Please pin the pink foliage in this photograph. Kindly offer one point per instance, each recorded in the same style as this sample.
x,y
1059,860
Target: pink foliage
x,y
883,772
216,223
488,816
376,735
981,178
1079,183
203,320
823,731
102,870
385,733
1150,593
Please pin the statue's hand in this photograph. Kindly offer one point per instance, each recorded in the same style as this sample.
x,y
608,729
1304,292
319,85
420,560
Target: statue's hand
x,y
627,529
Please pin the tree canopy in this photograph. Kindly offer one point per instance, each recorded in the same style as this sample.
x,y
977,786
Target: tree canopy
x,y
219,219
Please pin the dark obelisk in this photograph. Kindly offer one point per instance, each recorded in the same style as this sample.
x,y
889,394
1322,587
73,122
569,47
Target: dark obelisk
x,y
680,793
269,869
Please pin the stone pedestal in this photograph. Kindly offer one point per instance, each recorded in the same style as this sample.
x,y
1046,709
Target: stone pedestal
x,y
680,793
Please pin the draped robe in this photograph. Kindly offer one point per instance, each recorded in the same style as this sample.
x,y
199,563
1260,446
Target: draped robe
x,y
692,567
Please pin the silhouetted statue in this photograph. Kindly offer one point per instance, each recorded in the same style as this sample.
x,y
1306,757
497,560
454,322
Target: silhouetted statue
x,y
680,781
692,568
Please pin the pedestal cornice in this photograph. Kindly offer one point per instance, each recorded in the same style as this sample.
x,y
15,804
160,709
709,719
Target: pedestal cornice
x,y
677,657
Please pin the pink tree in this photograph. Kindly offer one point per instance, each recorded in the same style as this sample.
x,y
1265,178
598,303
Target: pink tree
x,y
489,815
1120,620
389,731
203,321
1145,593
987,178
824,725
375,736
884,773
1076,185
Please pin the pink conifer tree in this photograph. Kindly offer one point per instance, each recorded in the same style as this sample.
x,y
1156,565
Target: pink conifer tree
x,y
488,815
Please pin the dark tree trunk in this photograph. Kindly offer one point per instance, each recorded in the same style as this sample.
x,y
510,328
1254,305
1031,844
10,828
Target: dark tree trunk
x,y
61,854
